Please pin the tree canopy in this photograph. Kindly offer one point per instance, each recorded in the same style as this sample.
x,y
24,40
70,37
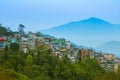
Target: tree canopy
x,y
41,65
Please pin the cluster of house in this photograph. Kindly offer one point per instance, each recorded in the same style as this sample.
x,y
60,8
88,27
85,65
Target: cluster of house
x,y
6,41
60,47
109,62
2,42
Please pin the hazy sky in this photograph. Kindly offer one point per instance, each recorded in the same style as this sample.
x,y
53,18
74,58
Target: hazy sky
x,y
43,14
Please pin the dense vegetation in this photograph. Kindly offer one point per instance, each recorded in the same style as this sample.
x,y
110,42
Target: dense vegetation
x,y
5,31
40,64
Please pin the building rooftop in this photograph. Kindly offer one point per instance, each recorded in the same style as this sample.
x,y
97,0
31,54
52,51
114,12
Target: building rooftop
x,y
3,39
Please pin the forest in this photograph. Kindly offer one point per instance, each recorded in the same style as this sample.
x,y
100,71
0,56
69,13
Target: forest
x,y
40,64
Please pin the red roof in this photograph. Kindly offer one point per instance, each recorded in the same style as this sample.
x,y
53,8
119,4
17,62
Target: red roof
x,y
3,39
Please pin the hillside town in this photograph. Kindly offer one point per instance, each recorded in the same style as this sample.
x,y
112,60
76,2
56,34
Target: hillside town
x,y
59,47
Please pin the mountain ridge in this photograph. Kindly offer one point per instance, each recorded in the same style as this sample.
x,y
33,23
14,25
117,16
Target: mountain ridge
x,y
110,47
90,32
94,20
88,21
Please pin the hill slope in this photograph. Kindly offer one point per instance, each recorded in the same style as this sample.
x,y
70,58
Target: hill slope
x,y
90,32
110,47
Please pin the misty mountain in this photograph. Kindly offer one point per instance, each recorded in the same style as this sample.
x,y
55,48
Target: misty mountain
x,y
110,47
89,32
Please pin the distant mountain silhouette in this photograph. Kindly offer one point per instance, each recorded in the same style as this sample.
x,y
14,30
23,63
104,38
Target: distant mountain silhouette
x,y
89,32
94,20
110,47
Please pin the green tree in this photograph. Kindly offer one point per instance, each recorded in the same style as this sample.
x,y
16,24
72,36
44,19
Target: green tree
x,y
8,74
29,60
14,47
21,30
3,31
33,71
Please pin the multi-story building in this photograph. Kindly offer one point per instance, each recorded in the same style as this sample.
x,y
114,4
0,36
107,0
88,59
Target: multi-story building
x,y
109,56
68,44
32,41
2,42
24,44
91,53
83,53
116,66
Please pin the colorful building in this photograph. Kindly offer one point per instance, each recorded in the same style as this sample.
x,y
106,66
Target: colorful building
x,y
109,56
84,53
2,42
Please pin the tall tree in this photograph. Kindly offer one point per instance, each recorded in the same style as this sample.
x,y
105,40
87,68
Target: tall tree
x,y
21,30
3,31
